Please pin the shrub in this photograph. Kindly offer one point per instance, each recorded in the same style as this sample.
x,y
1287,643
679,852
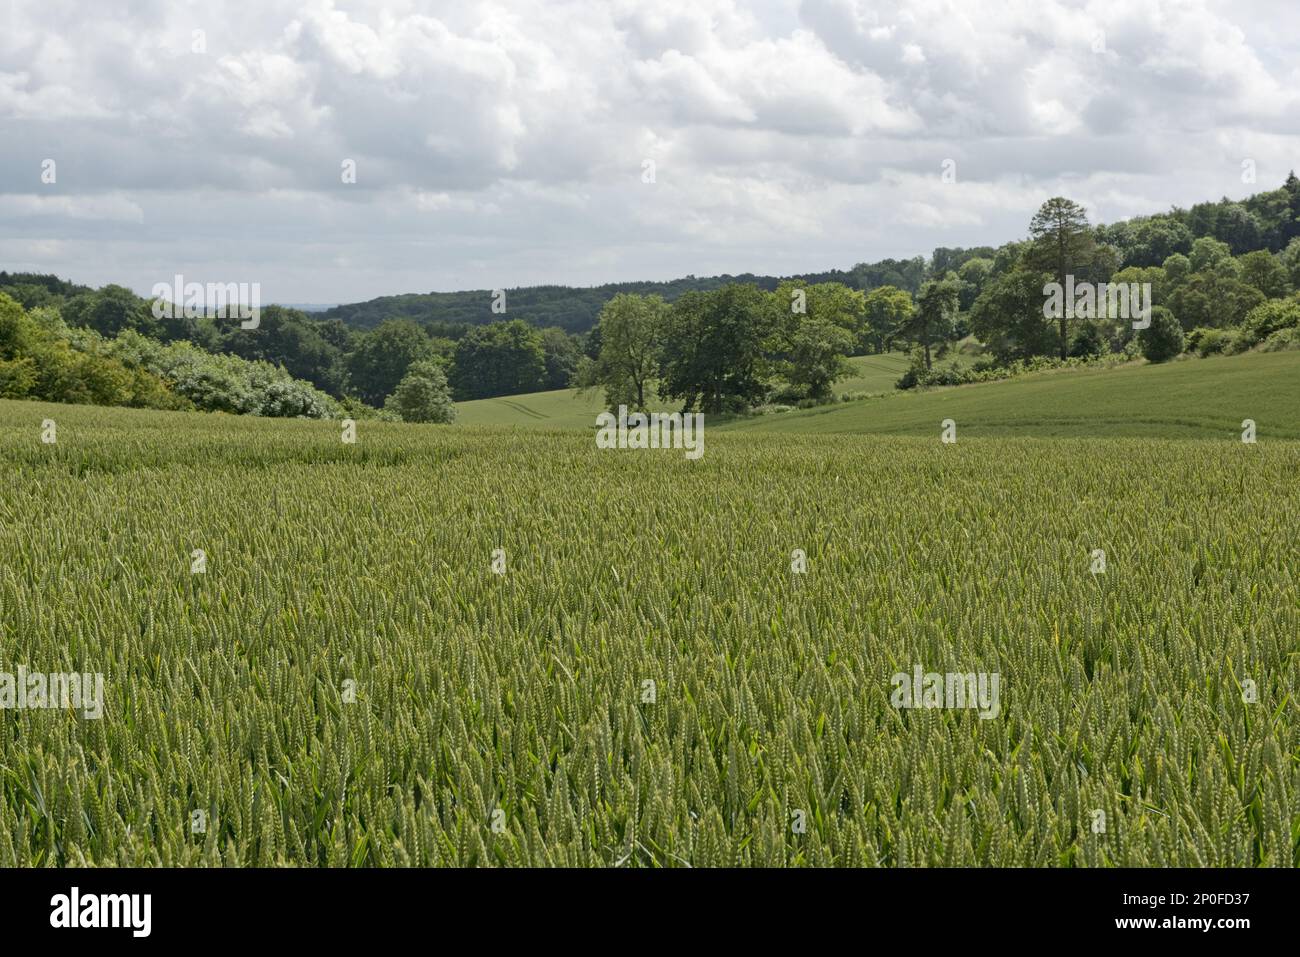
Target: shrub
x,y
17,378
1268,317
41,358
1087,342
984,370
1163,339
1207,341
350,407
787,395
916,371
223,383
423,395
1281,341
950,374
1237,341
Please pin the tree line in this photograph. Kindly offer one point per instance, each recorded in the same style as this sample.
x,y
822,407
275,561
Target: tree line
x,y
575,309
1224,276
336,369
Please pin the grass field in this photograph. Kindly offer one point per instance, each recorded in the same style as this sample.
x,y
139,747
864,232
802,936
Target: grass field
x,y
567,409
1196,398
649,683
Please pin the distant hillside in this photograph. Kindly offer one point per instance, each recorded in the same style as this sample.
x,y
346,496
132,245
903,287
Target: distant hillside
x,y
570,409
39,288
574,309
311,307
1194,398
1267,220
1189,399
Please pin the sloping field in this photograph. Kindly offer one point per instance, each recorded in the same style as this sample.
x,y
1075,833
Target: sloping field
x,y
559,409
566,409
1196,398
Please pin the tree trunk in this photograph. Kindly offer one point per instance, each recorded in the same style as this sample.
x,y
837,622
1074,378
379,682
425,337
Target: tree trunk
x,y
1065,309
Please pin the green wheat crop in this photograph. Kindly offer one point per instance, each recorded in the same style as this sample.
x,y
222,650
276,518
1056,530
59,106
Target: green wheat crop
x,y
505,719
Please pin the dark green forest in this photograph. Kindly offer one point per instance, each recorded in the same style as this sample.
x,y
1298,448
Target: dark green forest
x,y
575,309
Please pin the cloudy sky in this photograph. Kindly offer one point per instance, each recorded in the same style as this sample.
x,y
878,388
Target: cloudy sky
x,y
506,143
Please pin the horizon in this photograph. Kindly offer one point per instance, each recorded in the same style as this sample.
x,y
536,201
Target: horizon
x,y
926,256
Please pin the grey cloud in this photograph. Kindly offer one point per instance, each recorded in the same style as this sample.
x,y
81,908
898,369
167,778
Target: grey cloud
x,y
502,143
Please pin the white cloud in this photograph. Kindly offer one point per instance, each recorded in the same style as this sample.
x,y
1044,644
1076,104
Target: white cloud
x,y
501,141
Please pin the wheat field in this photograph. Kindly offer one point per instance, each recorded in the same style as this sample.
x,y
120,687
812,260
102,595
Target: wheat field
x,y
351,681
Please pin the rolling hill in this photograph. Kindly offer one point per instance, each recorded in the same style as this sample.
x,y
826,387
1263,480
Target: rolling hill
x,y
566,408
1192,398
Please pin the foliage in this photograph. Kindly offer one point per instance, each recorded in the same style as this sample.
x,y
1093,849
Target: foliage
x,y
576,309
381,357
1163,338
223,383
109,311
813,330
1087,342
288,338
1213,299
631,333
955,374
814,357
1282,340
888,310
936,308
1268,317
38,360
1207,340
1209,253
714,349
501,358
1062,244
1264,271
423,395
1008,316
1149,241
562,354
